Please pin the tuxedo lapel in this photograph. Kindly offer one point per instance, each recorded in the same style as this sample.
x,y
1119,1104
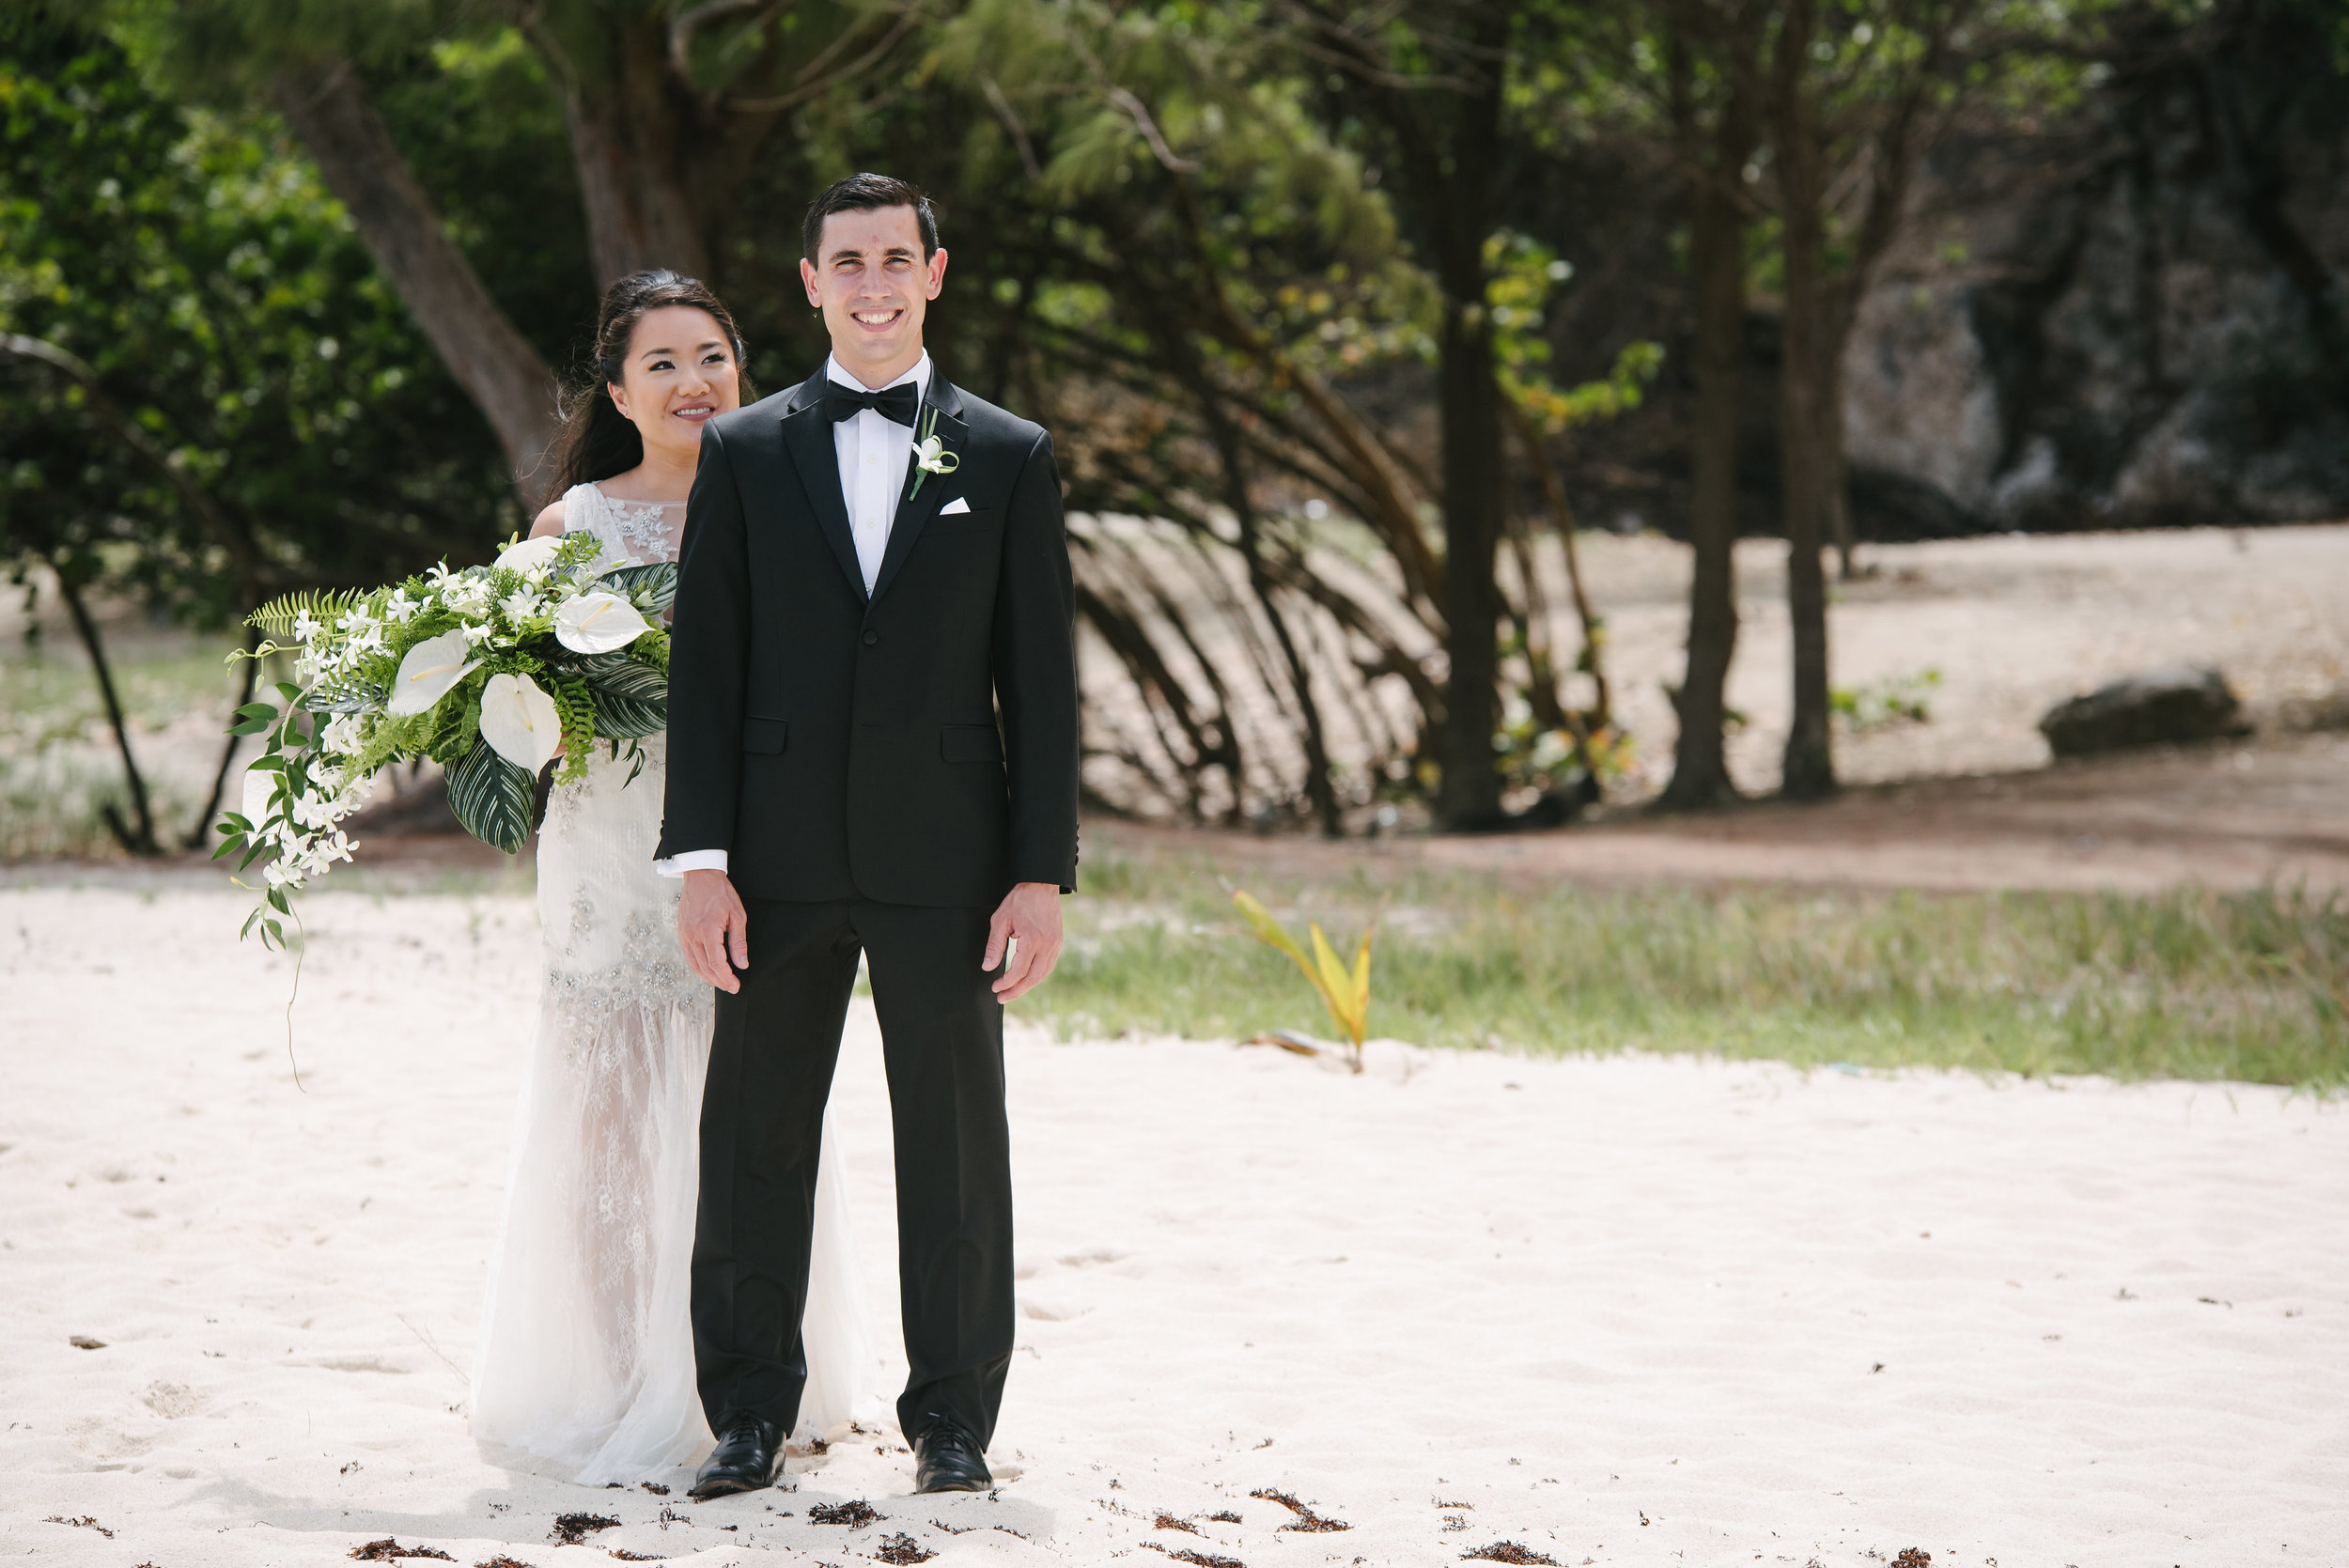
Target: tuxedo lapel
x,y
807,435
915,511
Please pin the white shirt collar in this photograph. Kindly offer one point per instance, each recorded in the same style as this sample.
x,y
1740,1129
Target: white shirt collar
x,y
919,375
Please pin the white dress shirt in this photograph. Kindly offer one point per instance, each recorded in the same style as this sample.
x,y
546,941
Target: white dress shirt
x,y
875,452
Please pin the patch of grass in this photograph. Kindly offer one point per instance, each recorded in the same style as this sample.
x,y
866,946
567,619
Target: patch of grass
x,y
59,763
2191,983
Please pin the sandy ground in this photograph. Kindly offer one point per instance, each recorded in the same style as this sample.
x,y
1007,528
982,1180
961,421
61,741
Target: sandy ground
x,y
2014,624
1623,1311
2225,816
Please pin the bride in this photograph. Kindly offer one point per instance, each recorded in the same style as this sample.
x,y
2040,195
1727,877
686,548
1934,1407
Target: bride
x,y
586,1352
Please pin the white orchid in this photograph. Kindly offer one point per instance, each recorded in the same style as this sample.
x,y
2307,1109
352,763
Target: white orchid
x,y
522,604
400,607
518,721
260,790
304,628
598,622
531,556
467,596
430,669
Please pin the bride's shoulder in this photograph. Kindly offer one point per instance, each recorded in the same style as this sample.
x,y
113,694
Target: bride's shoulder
x,y
575,508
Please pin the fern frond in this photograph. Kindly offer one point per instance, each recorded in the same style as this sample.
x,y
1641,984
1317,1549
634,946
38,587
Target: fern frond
x,y
276,618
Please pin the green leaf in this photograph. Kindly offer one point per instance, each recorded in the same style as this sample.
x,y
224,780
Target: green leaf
x,y
288,690
256,710
628,678
273,931
276,618
354,697
491,798
277,899
247,929
629,698
228,848
1268,931
651,589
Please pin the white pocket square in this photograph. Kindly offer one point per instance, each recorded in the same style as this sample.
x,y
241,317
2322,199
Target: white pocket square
x,y
960,503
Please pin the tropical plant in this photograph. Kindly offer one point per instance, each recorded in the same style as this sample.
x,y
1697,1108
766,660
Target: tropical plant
x,y
1345,992
491,672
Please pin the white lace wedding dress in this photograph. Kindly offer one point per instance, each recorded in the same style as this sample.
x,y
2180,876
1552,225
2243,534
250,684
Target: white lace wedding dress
x,y
586,1352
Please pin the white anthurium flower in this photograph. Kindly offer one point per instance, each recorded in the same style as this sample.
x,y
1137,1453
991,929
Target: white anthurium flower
x,y
519,721
430,668
529,555
598,622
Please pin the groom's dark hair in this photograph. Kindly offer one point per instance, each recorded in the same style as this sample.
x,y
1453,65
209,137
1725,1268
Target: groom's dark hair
x,y
867,192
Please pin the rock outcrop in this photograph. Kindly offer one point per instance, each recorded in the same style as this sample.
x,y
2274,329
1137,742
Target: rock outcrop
x,y
2158,708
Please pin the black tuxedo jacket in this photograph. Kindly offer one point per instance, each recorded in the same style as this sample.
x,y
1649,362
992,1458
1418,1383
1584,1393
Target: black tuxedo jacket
x,y
918,746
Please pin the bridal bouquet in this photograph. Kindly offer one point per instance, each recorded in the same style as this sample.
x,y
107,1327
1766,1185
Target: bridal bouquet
x,y
493,672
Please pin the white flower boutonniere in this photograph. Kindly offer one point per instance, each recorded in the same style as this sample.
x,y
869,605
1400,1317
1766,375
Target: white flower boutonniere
x,y
929,452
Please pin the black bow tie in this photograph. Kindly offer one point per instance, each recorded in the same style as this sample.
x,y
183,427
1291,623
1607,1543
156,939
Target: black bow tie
x,y
897,403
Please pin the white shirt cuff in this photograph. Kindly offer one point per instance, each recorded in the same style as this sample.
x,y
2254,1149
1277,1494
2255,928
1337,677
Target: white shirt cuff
x,y
693,860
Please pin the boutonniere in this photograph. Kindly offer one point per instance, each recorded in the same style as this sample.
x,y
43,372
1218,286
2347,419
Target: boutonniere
x,y
929,452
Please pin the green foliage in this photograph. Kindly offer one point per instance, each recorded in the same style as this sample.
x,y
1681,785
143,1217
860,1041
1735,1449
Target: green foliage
x,y
2193,983
1346,993
194,261
492,799
277,618
1897,700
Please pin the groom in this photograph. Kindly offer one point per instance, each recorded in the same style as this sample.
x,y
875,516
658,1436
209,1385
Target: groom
x,y
872,749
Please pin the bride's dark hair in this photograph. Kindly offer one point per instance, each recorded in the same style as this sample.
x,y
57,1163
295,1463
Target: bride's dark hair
x,y
597,439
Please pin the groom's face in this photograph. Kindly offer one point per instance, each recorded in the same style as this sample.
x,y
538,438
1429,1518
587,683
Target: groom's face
x,y
874,285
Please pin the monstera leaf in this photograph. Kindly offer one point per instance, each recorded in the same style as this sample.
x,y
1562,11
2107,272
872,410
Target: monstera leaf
x,y
491,798
651,589
631,699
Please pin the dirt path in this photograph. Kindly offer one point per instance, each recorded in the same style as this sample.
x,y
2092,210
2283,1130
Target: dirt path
x,y
2227,817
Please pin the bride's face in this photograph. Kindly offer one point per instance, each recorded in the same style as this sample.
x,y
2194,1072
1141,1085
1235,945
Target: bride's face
x,y
680,374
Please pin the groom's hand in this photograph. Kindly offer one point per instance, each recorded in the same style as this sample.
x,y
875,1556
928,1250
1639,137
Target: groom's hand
x,y
712,926
1027,923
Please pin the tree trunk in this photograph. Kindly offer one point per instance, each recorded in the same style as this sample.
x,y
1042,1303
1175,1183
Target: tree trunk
x,y
195,839
1838,460
1717,256
1809,770
138,835
330,110
1601,715
1469,392
1321,791
631,122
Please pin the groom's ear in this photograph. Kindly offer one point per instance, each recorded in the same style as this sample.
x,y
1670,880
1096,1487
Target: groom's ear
x,y
807,278
938,274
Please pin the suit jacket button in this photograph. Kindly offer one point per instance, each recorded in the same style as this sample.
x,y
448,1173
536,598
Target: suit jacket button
x,y
871,638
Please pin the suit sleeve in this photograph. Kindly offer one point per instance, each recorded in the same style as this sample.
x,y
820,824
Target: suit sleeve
x,y
708,652
1035,675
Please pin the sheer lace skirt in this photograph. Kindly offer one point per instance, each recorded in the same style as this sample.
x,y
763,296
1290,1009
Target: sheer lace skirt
x,y
586,1355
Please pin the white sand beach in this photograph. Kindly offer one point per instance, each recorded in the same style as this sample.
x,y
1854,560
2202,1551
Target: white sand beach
x,y
1615,1311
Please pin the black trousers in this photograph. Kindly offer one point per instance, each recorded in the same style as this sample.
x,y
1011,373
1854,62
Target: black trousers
x,y
770,1068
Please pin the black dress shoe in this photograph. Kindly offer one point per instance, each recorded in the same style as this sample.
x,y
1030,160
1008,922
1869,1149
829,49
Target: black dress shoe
x,y
947,1459
748,1456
